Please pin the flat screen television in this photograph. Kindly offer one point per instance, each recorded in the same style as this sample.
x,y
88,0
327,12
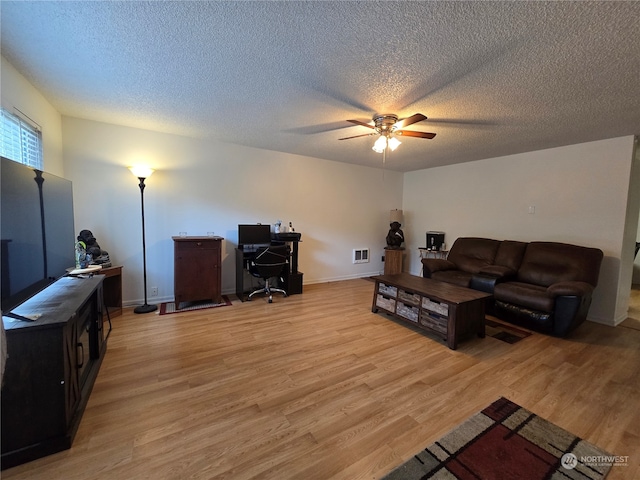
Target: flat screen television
x,y
37,231
257,234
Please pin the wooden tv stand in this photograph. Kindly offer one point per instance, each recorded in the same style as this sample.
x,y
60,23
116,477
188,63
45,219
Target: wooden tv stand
x,y
52,366
440,308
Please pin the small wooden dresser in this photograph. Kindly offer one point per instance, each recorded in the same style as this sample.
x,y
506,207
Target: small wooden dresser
x,y
197,269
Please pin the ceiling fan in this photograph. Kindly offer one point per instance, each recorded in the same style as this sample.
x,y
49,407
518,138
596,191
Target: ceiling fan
x,y
388,127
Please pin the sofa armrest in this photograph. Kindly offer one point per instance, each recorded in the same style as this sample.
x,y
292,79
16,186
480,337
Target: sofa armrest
x,y
483,283
432,265
576,289
498,271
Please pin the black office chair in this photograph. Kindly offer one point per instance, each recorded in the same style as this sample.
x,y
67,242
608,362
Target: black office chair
x,y
267,263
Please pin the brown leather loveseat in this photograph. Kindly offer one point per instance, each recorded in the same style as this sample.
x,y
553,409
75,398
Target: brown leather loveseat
x,y
544,286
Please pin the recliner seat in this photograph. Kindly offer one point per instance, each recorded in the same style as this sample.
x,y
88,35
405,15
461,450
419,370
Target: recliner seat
x,y
467,257
544,286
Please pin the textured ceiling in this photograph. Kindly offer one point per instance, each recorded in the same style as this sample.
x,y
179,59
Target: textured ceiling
x,y
493,78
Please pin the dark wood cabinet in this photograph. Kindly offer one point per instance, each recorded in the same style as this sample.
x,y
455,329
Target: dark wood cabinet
x,y
52,365
197,269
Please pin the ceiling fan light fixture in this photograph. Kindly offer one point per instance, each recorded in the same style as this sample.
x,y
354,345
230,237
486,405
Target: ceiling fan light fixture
x,y
393,143
388,126
380,144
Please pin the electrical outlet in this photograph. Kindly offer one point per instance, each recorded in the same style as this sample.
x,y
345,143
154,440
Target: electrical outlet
x,y
154,291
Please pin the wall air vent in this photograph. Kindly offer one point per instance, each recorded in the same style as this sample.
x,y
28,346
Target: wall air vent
x,y
360,255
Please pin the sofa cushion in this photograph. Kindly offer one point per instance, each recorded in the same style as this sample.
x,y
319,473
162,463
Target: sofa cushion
x,y
470,254
510,254
525,295
431,265
457,277
570,289
498,271
546,263
507,261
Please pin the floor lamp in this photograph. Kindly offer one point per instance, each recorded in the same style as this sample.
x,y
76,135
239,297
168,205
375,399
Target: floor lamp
x,y
143,173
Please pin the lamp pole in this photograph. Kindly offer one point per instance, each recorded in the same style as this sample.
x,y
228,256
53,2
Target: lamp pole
x,y
146,308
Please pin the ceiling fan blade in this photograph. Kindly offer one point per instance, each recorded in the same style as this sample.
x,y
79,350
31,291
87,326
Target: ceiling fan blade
x,y
409,133
356,136
405,122
358,122
319,128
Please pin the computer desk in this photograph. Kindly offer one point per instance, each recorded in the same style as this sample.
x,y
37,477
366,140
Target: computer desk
x,y
292,278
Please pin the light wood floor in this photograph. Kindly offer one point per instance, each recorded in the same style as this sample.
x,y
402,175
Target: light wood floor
x,y
315,386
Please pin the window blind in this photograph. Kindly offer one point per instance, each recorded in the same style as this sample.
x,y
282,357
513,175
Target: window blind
x,y
19,140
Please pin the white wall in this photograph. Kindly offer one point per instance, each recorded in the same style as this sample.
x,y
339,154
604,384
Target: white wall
x,y
203,186
579,192
629,235
18,93
636,192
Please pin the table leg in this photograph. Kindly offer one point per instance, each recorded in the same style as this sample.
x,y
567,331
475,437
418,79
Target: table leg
x,y
482,324
452,334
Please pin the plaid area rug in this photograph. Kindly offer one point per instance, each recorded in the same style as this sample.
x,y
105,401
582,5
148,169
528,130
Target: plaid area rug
x,y
506,441
502,331
170,307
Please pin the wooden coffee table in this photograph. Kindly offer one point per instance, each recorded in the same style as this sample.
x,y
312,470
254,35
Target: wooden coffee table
x,y
443,309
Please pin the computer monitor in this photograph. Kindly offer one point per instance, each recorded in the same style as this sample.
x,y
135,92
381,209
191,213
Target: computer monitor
x,y
257,234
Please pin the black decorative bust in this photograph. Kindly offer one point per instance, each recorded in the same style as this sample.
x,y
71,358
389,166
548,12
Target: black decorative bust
x,y
100,257
395,237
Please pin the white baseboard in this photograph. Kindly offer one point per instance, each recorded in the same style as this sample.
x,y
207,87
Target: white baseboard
x,y
612,322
